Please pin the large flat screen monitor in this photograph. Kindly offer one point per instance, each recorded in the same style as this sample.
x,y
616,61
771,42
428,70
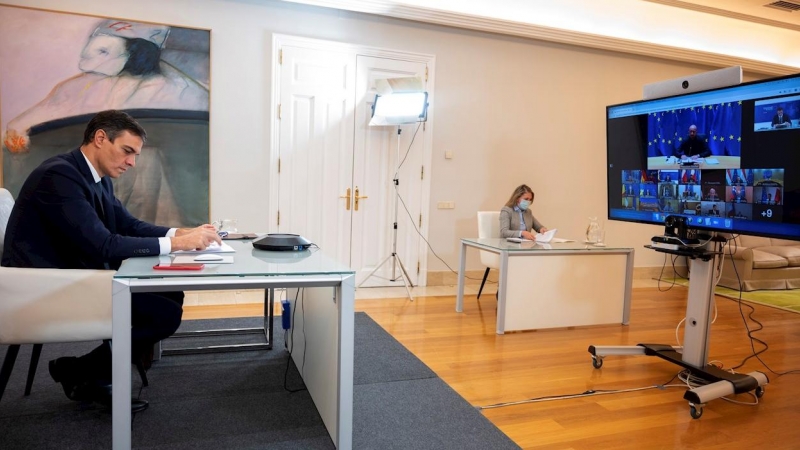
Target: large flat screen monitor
x,y
726,159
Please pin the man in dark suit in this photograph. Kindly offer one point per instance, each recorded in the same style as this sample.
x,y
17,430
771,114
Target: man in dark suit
x,y
781,120
67,217
693,146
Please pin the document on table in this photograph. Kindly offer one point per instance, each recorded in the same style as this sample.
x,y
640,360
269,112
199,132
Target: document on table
x,y
213,248
191,258
542,238
518,240
711,161
546,236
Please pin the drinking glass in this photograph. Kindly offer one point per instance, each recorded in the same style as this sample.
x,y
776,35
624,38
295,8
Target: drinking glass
x,y
227,225
601,238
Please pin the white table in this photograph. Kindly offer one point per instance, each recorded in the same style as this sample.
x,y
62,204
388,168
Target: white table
x,y
327,321
556,285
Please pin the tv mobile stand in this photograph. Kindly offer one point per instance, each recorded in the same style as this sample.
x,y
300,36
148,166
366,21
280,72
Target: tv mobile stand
x,y
694,353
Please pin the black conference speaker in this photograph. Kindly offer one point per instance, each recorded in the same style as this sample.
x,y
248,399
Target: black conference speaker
x,y
282,242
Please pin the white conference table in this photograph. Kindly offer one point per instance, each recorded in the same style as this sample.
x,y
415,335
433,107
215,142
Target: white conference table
x,y
556,285
328,293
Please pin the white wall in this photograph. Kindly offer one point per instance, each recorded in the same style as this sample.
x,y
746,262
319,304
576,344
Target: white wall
x,y
511,110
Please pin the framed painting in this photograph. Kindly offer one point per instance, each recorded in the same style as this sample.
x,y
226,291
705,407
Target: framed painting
x,y
59,69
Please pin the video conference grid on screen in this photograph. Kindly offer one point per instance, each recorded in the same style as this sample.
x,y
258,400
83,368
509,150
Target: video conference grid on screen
x,y
707,197
727,159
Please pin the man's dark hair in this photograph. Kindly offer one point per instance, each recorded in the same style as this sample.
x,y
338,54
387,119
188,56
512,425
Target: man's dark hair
x,y
113,122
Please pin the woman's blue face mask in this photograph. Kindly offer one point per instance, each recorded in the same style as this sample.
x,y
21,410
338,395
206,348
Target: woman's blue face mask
x,y
524,204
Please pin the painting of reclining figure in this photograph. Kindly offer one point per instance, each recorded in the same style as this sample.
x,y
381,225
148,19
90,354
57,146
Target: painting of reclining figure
x,y
59,69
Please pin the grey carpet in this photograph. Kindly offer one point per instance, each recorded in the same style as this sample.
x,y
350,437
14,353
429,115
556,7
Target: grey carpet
x,y
238,401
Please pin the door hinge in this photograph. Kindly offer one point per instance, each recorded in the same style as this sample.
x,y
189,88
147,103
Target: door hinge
x,y
279,111
280,61
417,267
420,220
422,173
426,73
279,218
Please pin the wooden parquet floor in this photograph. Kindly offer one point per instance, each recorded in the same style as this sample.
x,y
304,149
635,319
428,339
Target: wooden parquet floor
x,y
488,369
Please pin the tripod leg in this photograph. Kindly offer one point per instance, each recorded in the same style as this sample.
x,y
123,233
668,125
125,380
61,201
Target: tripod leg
x,y
375,270
404,276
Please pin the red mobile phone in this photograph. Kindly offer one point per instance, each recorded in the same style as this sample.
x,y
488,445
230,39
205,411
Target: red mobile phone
x,y
178,266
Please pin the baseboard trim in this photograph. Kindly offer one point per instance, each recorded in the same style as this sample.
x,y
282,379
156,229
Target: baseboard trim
x,y
435,278
448,278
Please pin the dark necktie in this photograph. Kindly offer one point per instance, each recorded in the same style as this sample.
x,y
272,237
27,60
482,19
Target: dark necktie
x,y
98,189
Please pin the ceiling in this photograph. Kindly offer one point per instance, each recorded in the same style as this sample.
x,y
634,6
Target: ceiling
x,y
716,33
780,13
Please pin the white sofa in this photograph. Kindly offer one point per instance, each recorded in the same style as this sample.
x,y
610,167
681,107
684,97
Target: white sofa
x,y
761,263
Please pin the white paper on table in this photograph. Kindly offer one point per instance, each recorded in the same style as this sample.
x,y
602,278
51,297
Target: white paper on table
x,y
711,161
190,259
213,248
556,240
518,240
546,236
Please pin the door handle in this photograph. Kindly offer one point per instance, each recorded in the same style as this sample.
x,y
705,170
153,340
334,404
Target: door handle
x,y
358,197
347,202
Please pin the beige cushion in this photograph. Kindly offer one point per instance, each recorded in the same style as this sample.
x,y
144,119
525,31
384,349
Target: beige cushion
x,y
754,241
791,254
785,242
766,260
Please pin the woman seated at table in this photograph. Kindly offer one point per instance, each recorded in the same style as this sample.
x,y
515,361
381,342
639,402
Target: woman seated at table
x,y
516,218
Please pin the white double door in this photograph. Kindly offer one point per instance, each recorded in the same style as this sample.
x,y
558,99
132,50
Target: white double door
x,y
335,180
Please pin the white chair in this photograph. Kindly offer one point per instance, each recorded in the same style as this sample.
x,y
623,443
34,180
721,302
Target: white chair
x,y
488,227
40,306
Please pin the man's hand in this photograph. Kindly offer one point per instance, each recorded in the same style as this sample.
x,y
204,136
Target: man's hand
x,y
543,230
527,235
194,238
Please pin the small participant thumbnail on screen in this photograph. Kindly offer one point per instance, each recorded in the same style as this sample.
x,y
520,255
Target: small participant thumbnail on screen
x,y
739,194
739,211
631,176
776,114
767,177
689,192
667,190
669,176
648,204
690,176
689,207
669,205
651,176
714,209
767,195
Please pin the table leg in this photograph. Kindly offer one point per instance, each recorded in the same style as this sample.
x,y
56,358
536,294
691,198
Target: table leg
x,y
346,305
502,290
626,305
461,268
121,366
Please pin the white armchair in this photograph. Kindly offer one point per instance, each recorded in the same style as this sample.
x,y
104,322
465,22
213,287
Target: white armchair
x,y
40,306
488,227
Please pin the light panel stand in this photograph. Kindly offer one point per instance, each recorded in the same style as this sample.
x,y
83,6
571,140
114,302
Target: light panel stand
x,y
393,257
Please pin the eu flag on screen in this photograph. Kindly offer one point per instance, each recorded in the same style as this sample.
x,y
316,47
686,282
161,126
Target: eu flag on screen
x,y
719,125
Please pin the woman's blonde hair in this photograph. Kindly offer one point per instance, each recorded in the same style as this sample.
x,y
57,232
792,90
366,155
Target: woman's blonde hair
x,y
521,190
